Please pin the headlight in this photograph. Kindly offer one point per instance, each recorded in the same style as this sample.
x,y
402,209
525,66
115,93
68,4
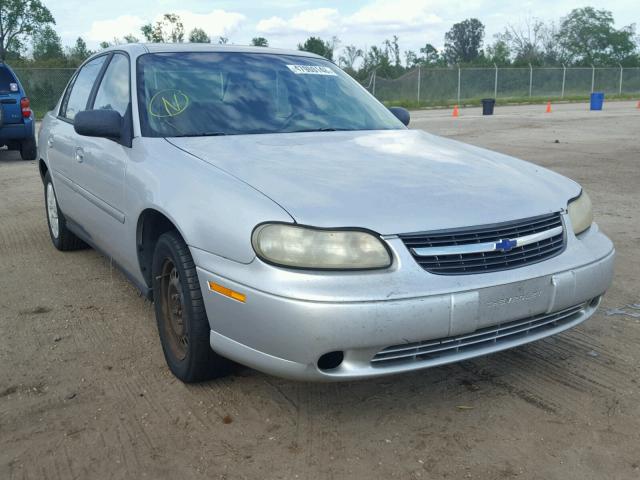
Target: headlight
x,y
312,248
581,213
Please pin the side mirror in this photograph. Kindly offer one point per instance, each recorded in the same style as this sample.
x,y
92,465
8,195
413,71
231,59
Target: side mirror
x,y
401,114
98,123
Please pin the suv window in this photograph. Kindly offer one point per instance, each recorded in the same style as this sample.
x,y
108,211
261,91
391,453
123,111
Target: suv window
x,y
113,93
7,81
78,95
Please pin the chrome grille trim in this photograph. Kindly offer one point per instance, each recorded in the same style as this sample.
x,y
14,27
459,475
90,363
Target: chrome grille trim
x,y
486,246
482,339
482,249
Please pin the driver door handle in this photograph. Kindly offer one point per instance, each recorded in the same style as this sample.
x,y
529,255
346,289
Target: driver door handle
x,y
79,154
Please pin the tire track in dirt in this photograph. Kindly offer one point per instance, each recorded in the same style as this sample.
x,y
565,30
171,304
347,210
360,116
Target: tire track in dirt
x,y
577,412
545,374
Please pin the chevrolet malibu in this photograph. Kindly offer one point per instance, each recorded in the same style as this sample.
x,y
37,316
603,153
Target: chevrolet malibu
x,y
281,217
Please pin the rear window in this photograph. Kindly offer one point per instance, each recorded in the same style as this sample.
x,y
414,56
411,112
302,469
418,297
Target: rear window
x,y
8,82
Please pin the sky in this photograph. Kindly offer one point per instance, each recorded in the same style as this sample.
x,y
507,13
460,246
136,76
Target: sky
x,y
285,23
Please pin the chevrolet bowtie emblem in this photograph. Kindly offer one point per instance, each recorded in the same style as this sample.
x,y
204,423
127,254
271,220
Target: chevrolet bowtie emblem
x,y
506,245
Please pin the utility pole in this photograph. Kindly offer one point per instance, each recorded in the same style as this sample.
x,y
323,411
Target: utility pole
x,y
458,84
621,71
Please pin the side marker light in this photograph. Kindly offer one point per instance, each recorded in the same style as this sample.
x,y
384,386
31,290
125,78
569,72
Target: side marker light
x,y
227,292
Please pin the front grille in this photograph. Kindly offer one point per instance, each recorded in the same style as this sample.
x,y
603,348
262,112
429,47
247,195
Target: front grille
x,y
445,263
481,341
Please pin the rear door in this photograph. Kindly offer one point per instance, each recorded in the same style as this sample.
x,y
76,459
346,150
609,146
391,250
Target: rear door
x,y
10,111
62,140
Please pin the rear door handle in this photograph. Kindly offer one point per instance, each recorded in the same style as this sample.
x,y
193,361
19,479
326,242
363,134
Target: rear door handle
x,y
79,154
50,141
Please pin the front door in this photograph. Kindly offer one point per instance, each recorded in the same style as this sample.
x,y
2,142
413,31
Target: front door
x,y
102,163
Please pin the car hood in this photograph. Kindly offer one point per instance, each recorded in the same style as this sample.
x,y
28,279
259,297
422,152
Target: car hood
x,y
393,181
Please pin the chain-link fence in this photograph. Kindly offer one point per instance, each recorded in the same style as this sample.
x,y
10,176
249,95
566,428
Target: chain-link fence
x,y
43,86
438,86
422,86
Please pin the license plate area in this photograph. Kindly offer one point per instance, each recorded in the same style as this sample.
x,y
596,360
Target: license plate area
x,y
515,301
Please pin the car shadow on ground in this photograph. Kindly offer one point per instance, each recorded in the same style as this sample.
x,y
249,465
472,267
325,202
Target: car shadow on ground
x,y
7,156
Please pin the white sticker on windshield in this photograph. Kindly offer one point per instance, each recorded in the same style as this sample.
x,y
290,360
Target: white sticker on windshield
x,y
311,70
13,87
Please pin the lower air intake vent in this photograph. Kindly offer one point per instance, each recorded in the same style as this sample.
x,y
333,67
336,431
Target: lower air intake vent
x,y
479,342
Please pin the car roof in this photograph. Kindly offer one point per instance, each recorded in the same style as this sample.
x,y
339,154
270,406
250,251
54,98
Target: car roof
x,y
5,65
136,49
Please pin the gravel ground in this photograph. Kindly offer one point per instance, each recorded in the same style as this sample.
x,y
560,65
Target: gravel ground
x,y
85,393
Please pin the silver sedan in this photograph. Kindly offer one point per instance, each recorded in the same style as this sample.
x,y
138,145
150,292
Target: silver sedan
x,y
279,216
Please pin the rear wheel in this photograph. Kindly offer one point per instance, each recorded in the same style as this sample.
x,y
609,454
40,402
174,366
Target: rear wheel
x,y
182,320
61,237
28,149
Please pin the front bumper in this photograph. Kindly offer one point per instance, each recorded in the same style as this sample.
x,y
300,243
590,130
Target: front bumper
x,y
290,319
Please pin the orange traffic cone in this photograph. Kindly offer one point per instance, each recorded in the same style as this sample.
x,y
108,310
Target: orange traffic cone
x,y
456,112
548,107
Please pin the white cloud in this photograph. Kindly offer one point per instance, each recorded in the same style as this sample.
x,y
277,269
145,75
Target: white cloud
x,y
271,25
216,23
395,15
107,30
318,20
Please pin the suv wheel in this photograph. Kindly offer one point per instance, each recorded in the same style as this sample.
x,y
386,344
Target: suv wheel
x,y
182,320
61,237
28,149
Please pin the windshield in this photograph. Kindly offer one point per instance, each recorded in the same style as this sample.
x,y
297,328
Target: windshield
x,y
230,93
7,81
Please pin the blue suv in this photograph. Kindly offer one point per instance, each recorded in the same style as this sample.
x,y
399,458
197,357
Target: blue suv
x,y
16,118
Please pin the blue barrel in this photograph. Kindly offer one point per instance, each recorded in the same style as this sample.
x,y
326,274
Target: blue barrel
x,y
597,100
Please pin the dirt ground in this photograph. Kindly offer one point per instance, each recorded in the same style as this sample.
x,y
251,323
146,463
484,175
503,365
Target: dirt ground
x,y
85,393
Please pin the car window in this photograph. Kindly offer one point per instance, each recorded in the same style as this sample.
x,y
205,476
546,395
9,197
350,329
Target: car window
x,y
8,82
232,93
78,96
113,93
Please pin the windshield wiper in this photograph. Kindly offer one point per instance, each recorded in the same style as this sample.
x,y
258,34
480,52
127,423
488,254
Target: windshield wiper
x,y
203,134
325,129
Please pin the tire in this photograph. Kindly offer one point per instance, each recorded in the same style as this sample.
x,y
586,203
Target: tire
x,y
61,237
28,149
182,320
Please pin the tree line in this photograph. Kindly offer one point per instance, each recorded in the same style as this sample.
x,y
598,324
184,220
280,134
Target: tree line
x,y
584,37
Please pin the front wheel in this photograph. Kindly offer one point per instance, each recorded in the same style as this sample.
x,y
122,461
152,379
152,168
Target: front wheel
x,y
182,320
28,149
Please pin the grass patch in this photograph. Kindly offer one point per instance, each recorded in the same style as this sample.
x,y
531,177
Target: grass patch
x,y
39,113
476,102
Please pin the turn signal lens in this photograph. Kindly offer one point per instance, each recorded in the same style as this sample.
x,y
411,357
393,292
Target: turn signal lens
x,y
227,292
